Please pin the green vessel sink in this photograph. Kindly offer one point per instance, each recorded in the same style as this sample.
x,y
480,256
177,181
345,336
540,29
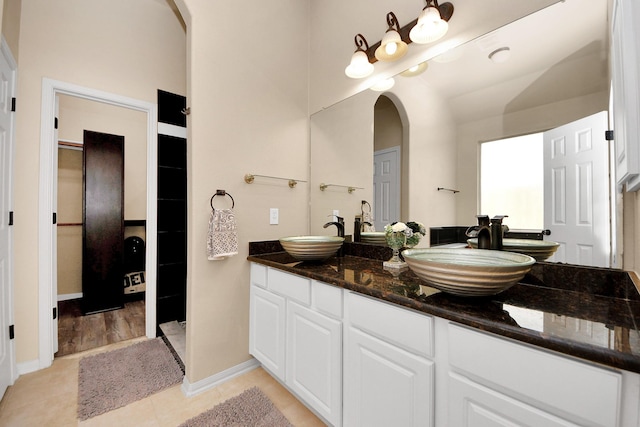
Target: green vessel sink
x,y
468,272
311,248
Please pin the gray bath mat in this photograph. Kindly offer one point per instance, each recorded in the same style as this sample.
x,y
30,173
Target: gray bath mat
x,y
251,408
111,380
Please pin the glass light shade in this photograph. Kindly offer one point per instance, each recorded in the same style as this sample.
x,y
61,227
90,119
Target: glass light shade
x,y
429,28
383,85
360,66
415,70
500,55
386,51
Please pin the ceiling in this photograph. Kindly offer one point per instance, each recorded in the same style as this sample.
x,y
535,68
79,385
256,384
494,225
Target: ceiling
x,y
557,53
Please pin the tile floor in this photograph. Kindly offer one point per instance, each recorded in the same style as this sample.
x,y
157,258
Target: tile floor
x,y
176,333
49,398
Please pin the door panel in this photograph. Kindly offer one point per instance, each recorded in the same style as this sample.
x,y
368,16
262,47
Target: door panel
x,y
386,187
576,166
103,222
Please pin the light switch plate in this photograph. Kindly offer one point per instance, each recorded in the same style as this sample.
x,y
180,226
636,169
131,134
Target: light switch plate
x,y
273,216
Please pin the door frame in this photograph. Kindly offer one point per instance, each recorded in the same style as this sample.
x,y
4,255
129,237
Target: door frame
x,y
5,51
47,253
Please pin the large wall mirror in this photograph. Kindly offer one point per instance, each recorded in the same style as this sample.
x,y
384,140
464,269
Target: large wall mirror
x,y
555,71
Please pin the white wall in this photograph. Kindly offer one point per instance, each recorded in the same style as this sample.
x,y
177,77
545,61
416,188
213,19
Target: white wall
x,y
249,114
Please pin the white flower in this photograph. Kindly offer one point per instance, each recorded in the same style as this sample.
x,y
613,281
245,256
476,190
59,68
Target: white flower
x,y
398,226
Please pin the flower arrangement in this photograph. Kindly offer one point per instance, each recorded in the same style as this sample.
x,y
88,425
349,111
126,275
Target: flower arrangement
x,y
401,234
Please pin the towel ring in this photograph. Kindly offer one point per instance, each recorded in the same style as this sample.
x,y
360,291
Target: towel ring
x,y
364,202
222,193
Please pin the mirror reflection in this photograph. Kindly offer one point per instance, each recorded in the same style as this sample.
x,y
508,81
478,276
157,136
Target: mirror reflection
x,y
423,134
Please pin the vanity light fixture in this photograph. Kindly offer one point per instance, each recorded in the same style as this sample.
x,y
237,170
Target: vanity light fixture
x,y
416,70
360,66
392,46
432,23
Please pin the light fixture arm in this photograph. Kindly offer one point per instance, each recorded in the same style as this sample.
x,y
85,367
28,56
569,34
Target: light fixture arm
x,y
361,43
392,22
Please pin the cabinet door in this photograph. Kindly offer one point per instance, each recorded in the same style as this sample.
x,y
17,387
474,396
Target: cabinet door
x,y
267,330
626,99
385,385
314,360
473,405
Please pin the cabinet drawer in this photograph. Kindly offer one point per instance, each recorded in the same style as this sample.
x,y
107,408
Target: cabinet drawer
x,y
400,326
327,299
258,275
289,285
581,392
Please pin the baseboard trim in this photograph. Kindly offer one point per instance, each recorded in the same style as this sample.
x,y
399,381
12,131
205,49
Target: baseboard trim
x,y
67,297
189,389
28,367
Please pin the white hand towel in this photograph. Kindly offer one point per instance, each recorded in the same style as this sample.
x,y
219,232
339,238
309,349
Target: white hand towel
x,y
222,240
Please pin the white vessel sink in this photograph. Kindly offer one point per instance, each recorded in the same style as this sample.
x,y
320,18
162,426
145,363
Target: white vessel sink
x,y
311,248
468,272
373,237
538,249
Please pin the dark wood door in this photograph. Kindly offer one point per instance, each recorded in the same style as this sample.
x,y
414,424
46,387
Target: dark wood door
x,y
103,222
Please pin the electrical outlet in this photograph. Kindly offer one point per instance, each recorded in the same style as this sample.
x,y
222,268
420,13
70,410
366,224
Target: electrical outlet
x,y
336,214
273,216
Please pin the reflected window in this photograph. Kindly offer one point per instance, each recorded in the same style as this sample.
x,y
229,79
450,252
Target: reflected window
x,y
511,180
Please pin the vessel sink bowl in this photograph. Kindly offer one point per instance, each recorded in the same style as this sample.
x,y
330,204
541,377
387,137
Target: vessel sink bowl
x,y
311,248
467,272
538,249
373,237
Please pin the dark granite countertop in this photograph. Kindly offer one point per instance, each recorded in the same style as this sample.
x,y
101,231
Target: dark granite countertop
x,y
589,313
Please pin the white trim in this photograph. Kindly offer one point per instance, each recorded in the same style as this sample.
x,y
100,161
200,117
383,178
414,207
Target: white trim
x,y
67,297
172,130
46,250
28,367
5,50
208,383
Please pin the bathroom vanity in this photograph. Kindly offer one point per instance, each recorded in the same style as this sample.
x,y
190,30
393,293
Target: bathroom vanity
x,y
362,346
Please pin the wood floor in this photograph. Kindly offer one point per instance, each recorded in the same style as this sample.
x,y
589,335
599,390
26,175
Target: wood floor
x,y
78,333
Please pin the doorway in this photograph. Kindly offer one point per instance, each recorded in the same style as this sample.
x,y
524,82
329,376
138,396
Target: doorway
x,y
51,91
95,307
387,168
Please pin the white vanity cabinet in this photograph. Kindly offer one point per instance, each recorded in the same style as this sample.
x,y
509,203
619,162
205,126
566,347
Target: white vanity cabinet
x,y
360,361
296,334
497,382
388,374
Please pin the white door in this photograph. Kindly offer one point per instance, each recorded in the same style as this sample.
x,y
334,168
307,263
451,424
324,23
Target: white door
x,y
7,90
576,191
386,187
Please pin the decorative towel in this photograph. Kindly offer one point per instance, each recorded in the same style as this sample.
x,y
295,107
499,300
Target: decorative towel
x,y
367,217
222,240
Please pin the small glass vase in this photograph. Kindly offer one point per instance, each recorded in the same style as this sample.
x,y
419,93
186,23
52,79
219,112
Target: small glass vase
x,y
396,240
